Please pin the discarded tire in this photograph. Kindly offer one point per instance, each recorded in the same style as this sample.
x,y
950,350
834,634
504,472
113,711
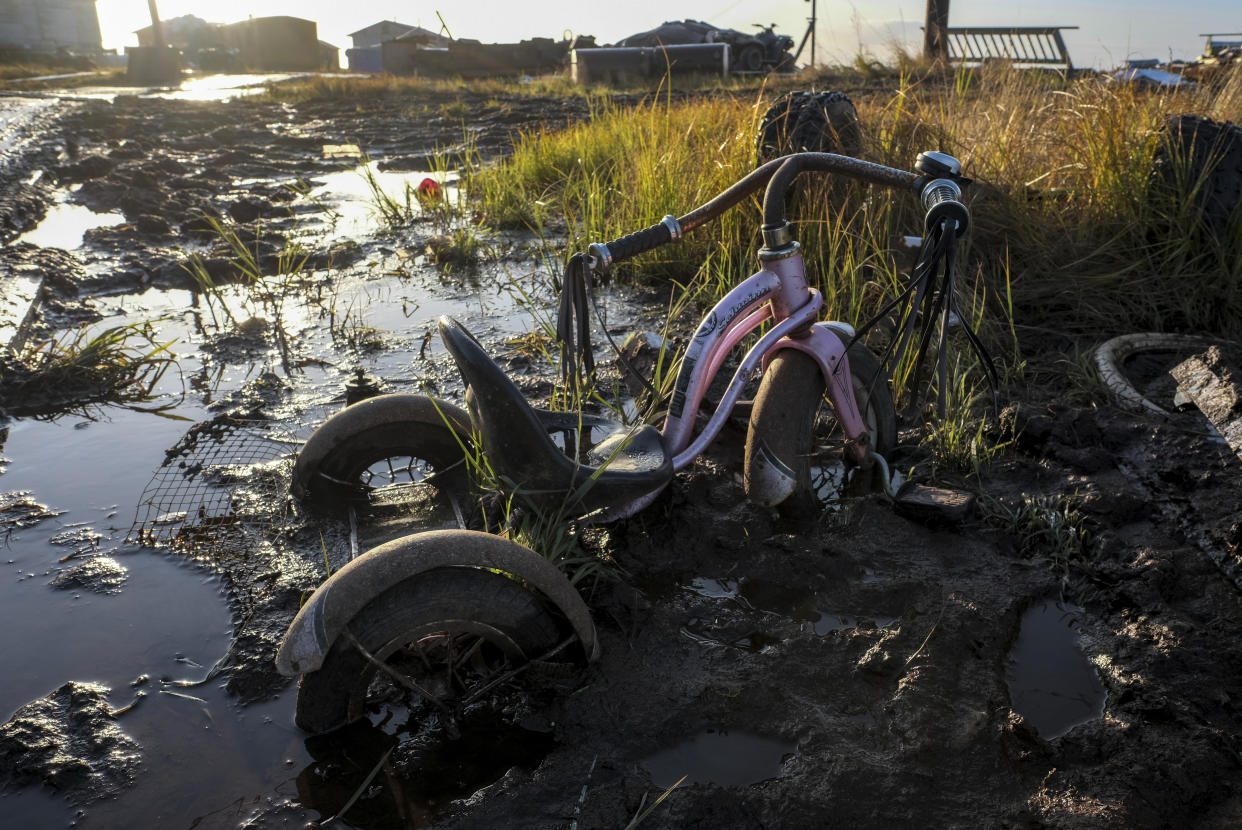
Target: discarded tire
x,y
817,122
1201,159
451,631
776,126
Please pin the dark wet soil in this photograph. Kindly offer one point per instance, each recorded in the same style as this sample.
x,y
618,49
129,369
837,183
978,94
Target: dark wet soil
x,y
850,671
69,741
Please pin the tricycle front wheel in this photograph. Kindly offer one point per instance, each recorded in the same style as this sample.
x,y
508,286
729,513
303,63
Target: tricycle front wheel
x,y
793,428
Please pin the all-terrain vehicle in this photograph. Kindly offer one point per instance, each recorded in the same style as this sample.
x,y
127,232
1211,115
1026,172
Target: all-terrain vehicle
x,y
765,51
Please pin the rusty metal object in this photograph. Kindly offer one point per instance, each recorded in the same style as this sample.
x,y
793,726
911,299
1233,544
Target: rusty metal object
x,y
594,65
154,64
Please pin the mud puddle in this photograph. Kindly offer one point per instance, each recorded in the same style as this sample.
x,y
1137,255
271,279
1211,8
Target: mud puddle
x,y
66,224
724,758
1051,682
203,89
151,627
411,784
800,605
349,195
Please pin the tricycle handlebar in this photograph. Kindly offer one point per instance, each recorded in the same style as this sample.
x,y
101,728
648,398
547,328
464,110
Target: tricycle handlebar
x,y
776,175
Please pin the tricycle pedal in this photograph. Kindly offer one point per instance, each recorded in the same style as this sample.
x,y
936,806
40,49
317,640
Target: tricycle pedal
x,y
925,503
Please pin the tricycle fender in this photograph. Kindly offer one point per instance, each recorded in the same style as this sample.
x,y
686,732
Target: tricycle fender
x,y
365,415
325,615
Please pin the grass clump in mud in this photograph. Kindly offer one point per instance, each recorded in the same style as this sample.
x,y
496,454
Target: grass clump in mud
x,y
462,247
247,285
458,243
119,365
1051,526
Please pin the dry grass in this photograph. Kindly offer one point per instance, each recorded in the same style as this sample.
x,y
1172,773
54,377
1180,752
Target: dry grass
x,y
1066,218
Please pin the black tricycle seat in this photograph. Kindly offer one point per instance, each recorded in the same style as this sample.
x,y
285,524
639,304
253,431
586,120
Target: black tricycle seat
x,y
605,463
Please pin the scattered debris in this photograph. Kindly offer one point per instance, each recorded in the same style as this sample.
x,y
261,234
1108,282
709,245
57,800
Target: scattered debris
x,y
100,574
1214,384
1112,354
19,510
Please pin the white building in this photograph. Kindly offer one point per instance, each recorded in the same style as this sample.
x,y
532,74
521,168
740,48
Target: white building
x,y
50,25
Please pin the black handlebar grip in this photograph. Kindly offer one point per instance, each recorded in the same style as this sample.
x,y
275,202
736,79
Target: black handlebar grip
x,y
633,244
941,200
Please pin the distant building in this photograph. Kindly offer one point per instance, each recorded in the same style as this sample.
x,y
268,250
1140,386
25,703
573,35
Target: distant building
x,y
329,56
276,44
377,33
50,26
187,33
367,52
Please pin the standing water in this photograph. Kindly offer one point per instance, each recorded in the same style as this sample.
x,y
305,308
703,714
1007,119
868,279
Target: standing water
x,y
1051,682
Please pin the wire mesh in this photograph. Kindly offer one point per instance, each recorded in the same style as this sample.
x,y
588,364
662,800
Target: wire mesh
x,y
230,473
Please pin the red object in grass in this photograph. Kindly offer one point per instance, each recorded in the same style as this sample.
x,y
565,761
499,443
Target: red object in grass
x,y
429,188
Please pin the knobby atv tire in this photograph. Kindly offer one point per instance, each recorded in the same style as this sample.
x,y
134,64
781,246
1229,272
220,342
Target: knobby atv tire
x,y
791,411
776,126
1202,159
508,618
750,59
827,123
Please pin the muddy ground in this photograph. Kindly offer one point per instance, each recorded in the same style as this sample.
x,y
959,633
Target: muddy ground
x,y
856,669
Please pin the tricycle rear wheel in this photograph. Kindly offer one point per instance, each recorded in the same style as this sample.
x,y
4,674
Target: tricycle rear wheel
x,y
387,443
451,632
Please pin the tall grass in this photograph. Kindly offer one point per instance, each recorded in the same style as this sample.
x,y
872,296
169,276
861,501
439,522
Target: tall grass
x,y
370,89
627,167
1064,203
1068,227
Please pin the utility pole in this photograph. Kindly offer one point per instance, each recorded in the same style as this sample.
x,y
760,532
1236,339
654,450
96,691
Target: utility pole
x,y
157,28
809,34
812,30
935,32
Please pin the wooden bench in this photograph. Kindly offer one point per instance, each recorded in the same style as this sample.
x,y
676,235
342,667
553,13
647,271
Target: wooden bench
x,y
1024,45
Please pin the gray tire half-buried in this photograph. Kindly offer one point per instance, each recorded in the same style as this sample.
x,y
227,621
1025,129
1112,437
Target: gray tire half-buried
x,y
450,631
388,437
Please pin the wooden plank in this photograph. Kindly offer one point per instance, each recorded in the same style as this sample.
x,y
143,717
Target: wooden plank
x,y
1214,384
19,301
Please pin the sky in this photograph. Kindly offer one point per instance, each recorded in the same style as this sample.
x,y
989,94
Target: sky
x,y
1109,32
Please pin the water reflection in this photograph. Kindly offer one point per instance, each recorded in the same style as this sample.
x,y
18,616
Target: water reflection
x,y
1051,682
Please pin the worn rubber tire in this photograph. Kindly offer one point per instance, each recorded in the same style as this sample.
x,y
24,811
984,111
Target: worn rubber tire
x,y
788,407
332,468
750,59
438,601
776,126
1202,158
827,123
